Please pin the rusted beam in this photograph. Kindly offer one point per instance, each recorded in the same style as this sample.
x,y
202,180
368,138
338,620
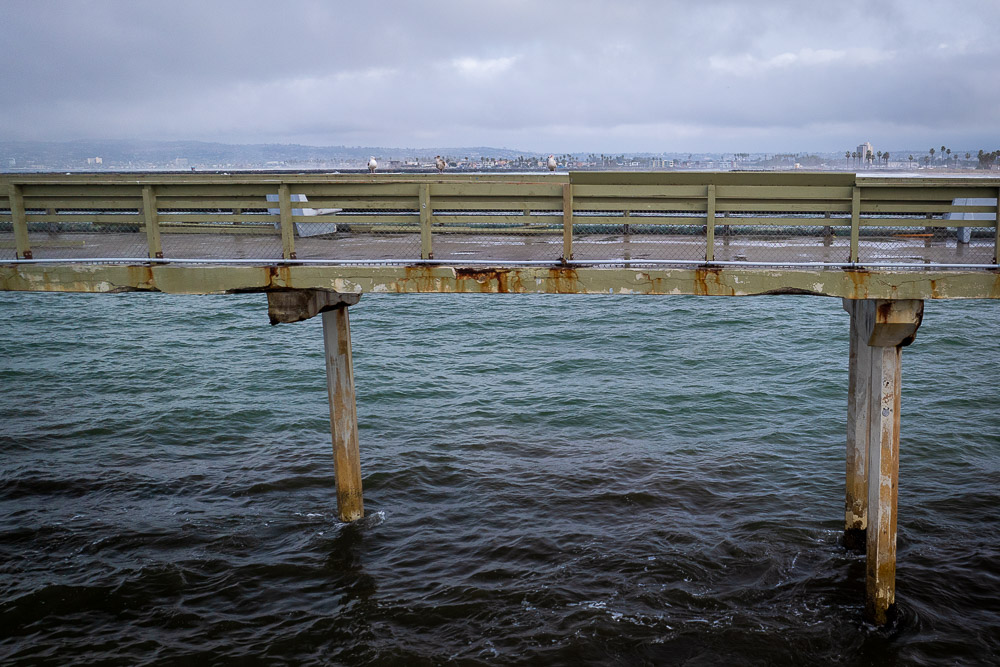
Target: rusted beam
x,y
722,281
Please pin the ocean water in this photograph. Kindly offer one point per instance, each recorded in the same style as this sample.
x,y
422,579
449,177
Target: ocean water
x,y
548,480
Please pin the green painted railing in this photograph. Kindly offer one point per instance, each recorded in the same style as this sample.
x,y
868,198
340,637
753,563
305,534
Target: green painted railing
x,y
761,219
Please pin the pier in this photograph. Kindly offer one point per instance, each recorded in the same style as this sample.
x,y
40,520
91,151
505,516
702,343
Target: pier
x,y
316,243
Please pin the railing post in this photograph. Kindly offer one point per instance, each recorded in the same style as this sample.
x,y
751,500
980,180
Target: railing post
x,y
567,222
287,230
710,224
855,223
20,221
626,237
152,221
996,232
426,248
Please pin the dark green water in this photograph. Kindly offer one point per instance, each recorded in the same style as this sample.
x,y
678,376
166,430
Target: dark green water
x,y
548,480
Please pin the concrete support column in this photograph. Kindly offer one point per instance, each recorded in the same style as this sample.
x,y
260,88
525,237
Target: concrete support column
x,y
883,484
858,391
343,413
297,305
880,329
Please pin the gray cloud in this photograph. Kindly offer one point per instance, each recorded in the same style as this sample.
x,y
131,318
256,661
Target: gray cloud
x,y
651,76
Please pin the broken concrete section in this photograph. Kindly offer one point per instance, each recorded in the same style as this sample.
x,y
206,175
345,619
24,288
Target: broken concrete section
x,y
296,305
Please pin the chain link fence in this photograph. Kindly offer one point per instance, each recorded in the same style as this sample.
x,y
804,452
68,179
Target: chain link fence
x,y
8,242
498,235
910,243
359,235
223,234
628,236
82,233
751,239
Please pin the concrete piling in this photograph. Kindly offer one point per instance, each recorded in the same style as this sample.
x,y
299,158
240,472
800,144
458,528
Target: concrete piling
x,y
858,390
343,413
879,330
298,305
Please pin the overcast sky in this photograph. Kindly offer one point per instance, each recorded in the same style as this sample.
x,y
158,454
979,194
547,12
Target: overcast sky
x,y
761,75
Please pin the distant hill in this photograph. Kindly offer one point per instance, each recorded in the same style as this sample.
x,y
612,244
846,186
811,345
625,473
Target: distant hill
x,y
167,154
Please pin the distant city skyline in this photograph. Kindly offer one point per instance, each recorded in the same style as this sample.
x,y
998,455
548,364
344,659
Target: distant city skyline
x,y
775,75
133,156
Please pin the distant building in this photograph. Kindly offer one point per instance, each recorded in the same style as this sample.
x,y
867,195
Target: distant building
x,y
95,160
864,149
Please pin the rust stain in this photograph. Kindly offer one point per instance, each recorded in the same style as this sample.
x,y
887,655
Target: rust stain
x,y
482,279
700,282
285,274
860,281
279,276
564,280
418,279
884,311
707,282
140,276
934,290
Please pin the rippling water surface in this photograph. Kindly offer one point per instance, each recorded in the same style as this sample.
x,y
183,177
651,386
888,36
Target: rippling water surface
x,y
548,479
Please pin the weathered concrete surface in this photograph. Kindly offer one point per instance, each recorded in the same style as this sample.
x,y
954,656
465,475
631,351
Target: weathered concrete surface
x,y
888,323
287,306
880,329
858,399
212,279
343,413
883,484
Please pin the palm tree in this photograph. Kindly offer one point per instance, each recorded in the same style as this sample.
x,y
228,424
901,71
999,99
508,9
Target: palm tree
x,y
885,158
948,151
854,154
932,154
880,156
847,157
911,162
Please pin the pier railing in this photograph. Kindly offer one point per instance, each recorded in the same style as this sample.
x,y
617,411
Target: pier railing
x,y
580,218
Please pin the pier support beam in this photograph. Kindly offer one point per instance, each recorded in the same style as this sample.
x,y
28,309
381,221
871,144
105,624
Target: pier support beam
x,y
882,329
858,392
343,413
297,305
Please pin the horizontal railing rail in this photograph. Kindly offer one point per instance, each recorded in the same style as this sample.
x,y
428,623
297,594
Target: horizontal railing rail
x,y
759,219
